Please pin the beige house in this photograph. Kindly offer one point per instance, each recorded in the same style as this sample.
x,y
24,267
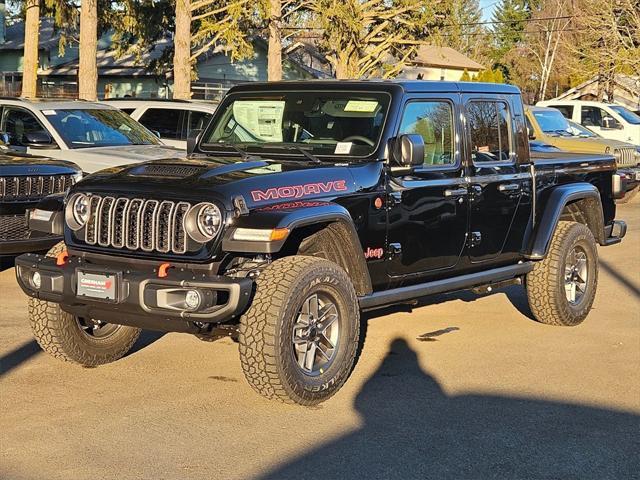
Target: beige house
x,y
440,63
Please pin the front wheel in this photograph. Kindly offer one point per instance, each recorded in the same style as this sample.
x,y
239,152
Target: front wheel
x,y
87,342
562,287
298,340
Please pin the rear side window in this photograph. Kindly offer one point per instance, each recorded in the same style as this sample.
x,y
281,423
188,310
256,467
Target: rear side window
x,y
164,121
17,122
565,110
128,111
433,121
197,121
489,131
592,117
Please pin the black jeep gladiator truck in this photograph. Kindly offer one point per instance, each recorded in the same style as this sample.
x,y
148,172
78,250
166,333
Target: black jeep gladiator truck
x,y
24,181
301,205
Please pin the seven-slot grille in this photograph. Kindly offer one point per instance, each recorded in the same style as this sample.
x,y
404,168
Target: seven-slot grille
x,y
137,224
627,157
33,187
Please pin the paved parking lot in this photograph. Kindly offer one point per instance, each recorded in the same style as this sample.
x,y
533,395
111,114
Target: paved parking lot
x,y
488,393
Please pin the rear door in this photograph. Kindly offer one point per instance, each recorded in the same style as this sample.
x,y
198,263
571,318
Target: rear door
x,y
427,209
499,179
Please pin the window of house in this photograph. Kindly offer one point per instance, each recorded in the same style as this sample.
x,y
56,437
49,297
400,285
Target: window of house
x,y
489,131
433,121
165,121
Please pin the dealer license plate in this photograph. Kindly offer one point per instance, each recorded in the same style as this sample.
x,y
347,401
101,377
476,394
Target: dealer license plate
x,y
97,285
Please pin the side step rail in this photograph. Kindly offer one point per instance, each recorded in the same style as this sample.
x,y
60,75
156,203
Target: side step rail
x,y
462,282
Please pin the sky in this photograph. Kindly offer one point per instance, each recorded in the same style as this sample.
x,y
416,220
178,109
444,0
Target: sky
x,y
487,7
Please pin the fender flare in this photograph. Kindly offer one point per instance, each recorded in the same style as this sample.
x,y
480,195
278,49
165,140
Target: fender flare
x,y
334,218
556,203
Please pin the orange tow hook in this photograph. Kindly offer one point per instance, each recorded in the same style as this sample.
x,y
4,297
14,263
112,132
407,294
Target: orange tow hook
x,y
163,270
62,258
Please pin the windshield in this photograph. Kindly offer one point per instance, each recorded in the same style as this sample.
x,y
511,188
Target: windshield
x,y
98,128
628,115
552,121
345,124
581,131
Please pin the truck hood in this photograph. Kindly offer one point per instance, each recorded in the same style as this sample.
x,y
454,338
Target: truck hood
x,y
93,159
260,182
586,145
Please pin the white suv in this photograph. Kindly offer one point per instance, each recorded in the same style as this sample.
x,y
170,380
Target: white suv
x,y
92,135
609,120
174,120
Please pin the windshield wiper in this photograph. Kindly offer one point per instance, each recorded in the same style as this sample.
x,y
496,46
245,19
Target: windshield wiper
x,y
244,155
304,152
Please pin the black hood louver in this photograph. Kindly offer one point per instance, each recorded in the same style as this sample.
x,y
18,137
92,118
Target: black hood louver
x,y
173,171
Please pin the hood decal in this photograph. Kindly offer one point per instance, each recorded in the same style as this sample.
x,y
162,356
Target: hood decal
x,y
299,191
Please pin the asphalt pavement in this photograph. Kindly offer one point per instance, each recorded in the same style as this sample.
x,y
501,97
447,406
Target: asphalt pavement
x,y
461,387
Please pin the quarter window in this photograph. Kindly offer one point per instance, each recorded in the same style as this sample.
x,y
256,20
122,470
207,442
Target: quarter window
x,y
165,121
489,131
433,121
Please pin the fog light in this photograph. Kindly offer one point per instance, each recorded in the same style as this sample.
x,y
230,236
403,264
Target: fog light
x,y
36,280
192,299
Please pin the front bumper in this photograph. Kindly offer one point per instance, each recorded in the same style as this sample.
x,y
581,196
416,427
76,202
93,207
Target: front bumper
x,y
631,176
140,296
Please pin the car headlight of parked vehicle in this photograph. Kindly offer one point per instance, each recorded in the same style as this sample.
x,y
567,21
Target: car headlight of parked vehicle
x,y
203,222
77,211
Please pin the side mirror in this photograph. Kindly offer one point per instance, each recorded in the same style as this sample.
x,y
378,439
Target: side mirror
x,y
156,133
407,152
530,134
4,139
192,140
37,140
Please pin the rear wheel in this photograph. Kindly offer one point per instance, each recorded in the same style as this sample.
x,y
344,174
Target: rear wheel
x,y
84,341
562,287
298,340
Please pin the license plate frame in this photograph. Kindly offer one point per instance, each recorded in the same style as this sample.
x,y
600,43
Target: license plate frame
x,y
103,286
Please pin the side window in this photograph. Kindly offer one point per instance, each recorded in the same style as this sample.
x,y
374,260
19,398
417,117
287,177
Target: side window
x,y
433,120
489,131
17,122
197,121
592,117
565,110
165,121
128,111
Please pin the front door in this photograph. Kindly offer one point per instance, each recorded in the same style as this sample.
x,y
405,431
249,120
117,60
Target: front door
x,y
428,209
498,181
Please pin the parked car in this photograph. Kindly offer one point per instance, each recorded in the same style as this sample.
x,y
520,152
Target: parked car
x,y
174,120
92,135
550,126
24,181
304,203
606,119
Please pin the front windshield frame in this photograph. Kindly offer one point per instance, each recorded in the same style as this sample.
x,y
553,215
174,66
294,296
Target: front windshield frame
x,y
285,148
72,144
627,115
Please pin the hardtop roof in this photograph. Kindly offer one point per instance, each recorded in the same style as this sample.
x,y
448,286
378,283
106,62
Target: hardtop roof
x,y
409,86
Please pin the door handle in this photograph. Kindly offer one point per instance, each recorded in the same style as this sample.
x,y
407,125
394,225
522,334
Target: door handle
x,y
509,187
456,192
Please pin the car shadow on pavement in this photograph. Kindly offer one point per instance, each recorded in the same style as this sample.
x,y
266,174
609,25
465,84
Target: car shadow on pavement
x,y
624,280
413,429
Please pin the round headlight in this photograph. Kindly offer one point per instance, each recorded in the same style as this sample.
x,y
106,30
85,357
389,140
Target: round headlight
x,y
203,222
77,213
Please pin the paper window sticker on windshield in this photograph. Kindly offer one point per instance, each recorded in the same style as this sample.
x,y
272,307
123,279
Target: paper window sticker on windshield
x,y
343,148
48,112
367,106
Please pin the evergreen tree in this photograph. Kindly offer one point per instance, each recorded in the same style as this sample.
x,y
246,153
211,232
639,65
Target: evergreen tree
x,y
510,17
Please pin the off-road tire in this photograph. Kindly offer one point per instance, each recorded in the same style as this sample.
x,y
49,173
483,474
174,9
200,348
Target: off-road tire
x,y
265,335
545,283
59,334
